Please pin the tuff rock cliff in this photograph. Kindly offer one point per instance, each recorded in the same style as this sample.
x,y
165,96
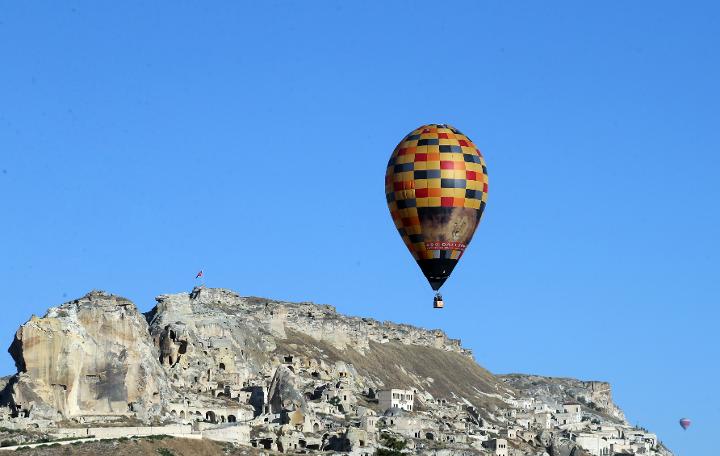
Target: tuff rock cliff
x,y
88,356
295,377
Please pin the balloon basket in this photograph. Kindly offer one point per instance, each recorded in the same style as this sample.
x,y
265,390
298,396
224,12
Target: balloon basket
x,y
438,302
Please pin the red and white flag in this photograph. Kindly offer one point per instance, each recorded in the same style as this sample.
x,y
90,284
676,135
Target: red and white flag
x,y
199,274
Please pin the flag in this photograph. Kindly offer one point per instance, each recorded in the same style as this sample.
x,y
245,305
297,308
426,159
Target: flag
x,y
199,274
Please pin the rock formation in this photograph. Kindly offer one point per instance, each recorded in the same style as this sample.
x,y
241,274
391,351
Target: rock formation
x,y
294,377
91,356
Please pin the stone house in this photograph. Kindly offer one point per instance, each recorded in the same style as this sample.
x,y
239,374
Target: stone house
x,y
510,433
540,407
499,446
403,399
572,407
341,394
290,441
369,423
524,421
563,418
639,436
358,438
593,443
543,420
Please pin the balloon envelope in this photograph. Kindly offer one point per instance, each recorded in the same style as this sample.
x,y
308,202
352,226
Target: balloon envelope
x,y
685,423
436,187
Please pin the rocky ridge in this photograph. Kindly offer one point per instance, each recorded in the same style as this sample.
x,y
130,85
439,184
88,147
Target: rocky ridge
x,y
292,377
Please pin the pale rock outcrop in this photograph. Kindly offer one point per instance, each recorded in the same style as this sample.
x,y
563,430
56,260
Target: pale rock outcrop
x,y
564,447
292,377
88,356
209,341
284,393
592,394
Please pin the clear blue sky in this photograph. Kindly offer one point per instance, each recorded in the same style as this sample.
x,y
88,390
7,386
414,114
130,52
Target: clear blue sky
x,y
142,142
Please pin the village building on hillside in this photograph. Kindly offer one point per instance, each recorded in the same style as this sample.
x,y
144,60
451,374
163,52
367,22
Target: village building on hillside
x,y
499,447
402,399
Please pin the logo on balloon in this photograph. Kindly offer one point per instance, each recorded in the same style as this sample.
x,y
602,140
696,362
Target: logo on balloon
x,y
442,245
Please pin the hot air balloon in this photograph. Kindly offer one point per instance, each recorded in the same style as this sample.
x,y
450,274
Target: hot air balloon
x,y
436,187
685,423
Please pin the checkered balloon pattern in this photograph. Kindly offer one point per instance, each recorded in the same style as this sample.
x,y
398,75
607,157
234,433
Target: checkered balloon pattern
x,y
436,186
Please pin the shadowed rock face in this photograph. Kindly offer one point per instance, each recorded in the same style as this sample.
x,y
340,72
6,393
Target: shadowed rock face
x,y
89,356
284,393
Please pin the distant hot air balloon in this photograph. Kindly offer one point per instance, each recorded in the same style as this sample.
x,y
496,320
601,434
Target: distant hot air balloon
x,y
436,186
685,423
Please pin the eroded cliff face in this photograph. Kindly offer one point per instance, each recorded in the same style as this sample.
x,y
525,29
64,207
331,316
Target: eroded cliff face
x,y
296,374
215,345
597,395
206,336
91,356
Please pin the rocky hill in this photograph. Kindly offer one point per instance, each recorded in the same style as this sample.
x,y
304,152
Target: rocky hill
x,y
289,377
